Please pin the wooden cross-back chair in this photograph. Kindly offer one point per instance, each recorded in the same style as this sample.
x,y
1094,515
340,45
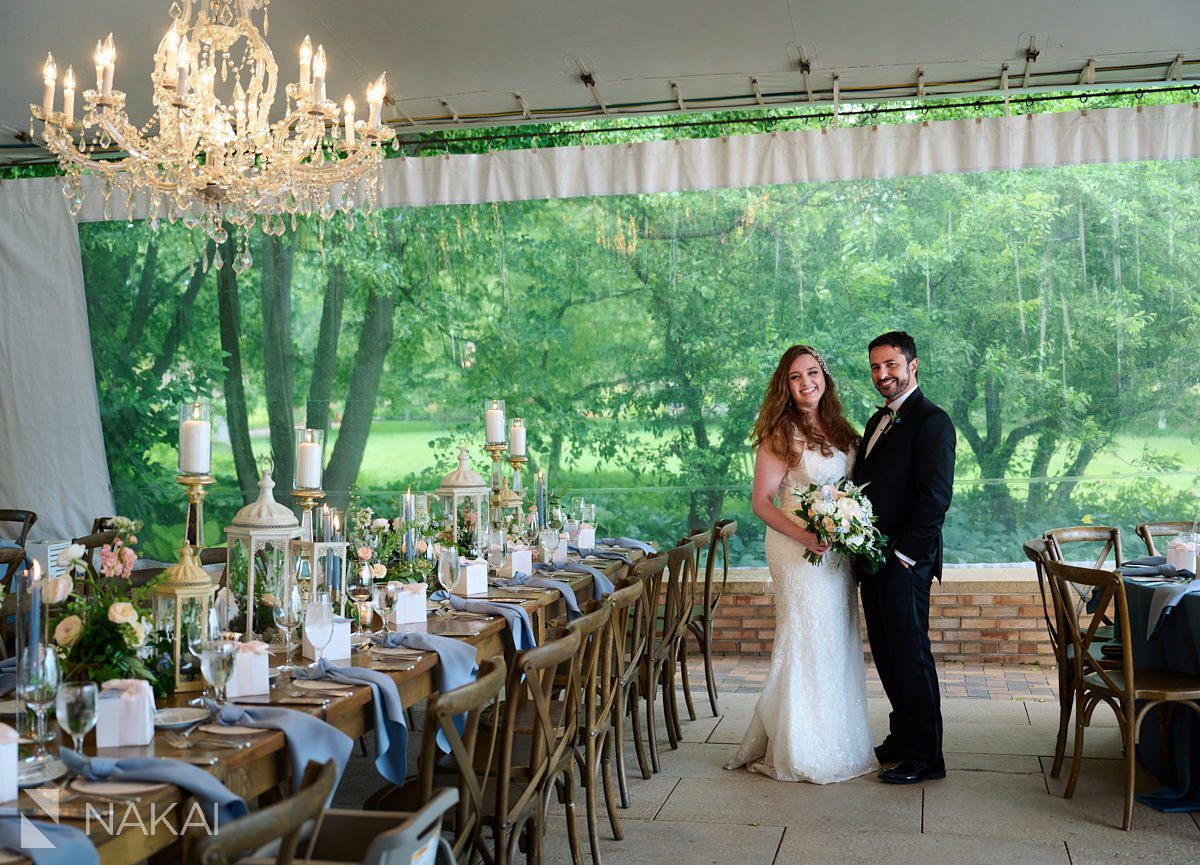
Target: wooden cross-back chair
x,y
692,608
662,631
704,619
23,519
472,755
1109,537
1166,529
631,612
1120,688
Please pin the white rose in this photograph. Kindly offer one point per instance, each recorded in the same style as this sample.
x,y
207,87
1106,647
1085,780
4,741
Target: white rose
x,y
379,524
121,613
823,507
67,631
70,554
58,589
850,509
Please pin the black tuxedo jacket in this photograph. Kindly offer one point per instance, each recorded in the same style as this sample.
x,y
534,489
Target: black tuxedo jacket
x,y
909,479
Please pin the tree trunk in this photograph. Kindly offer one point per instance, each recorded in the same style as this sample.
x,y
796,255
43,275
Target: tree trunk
x,y
1039,492
556,451
377,334
182,319
276,282
235,390
142,306
320,387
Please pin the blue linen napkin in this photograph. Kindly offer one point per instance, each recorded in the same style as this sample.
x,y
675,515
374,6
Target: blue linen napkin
x,y
69,846
519,625
456,665
308,738
8,675
391,728
601,584
218,802
1165,598
629,544
520,579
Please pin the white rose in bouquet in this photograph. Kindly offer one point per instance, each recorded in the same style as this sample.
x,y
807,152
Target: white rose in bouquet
x,y
58,589
122,613
67,631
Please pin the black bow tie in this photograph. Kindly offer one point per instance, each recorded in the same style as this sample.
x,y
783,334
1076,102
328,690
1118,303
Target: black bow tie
x,y
890,411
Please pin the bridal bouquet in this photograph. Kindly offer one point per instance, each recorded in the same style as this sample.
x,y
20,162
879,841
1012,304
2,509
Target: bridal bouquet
x,y
841,516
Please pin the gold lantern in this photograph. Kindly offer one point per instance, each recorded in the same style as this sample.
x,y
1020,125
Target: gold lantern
x,y
181,603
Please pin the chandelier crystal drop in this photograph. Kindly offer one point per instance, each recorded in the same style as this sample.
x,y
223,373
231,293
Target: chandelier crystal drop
x,y
214,151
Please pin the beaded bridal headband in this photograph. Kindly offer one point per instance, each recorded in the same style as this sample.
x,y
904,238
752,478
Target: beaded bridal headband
x,y
808,349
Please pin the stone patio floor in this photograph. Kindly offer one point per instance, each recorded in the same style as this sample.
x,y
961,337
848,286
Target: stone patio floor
x,y
997,806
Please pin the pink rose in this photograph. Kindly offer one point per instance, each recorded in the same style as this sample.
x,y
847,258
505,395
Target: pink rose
x,y
364,553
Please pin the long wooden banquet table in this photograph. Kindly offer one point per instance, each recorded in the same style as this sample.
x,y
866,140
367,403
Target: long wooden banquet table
x,y
263,767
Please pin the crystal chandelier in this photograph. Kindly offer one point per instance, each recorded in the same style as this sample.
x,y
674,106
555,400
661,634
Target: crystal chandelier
x,y
204,160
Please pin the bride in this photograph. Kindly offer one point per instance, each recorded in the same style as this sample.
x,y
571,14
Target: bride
x,y
810,723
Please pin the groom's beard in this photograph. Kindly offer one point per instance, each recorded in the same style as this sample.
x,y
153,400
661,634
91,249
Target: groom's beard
x,y
891,387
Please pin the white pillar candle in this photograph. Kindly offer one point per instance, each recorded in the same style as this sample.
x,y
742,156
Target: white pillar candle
x,y
195,447
516,440
494,421
308,465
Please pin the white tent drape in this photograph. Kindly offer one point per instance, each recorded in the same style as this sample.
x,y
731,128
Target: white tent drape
x,y
51,457
51,451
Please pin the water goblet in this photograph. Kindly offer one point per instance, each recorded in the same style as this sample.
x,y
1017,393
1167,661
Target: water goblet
x,y
37,682
577,508
318,622
216,665
548,541
384,602
76,709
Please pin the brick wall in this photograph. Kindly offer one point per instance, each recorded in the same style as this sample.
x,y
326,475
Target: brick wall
x,y
977,617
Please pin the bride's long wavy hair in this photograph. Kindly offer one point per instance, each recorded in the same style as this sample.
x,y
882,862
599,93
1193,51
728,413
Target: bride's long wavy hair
x,y
779,419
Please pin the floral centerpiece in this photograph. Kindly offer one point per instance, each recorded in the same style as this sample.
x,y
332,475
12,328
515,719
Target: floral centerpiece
x,y
841,516
379,543
467,537
102,627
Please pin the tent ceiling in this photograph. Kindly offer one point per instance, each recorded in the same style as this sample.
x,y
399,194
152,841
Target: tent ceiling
x,y
471,57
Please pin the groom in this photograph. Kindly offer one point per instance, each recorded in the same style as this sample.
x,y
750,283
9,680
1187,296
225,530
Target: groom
x,y
906,461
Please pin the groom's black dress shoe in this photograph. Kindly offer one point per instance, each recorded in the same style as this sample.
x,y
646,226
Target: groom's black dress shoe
x,y
913,772
889,752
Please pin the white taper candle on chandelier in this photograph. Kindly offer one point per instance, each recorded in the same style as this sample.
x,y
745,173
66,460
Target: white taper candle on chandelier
x,y
305,64
349,109
69,95
49,76
318,68
110,65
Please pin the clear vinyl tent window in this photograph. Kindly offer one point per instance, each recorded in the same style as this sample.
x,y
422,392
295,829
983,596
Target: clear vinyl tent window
x,y
1055,311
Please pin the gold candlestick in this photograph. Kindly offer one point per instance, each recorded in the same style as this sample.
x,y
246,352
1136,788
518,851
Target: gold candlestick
x,y
308,500
194,524
496,452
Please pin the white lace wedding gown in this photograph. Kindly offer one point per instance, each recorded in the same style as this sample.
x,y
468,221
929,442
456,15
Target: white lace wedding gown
x,y
810,723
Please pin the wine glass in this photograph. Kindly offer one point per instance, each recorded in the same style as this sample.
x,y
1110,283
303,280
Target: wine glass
x,y
577,508
384,602
37,683
360,592
286,612
76,710
589,514
496,543
548,541
318,622
216,664
447,575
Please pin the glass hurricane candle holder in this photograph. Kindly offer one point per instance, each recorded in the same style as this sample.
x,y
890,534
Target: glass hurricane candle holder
x,y
195,438
309,459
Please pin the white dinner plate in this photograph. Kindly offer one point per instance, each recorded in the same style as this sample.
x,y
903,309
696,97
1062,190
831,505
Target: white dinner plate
x,y
320,685
114,788
173,719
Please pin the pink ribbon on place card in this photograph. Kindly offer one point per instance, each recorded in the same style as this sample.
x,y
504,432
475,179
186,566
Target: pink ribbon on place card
x,y
130,689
